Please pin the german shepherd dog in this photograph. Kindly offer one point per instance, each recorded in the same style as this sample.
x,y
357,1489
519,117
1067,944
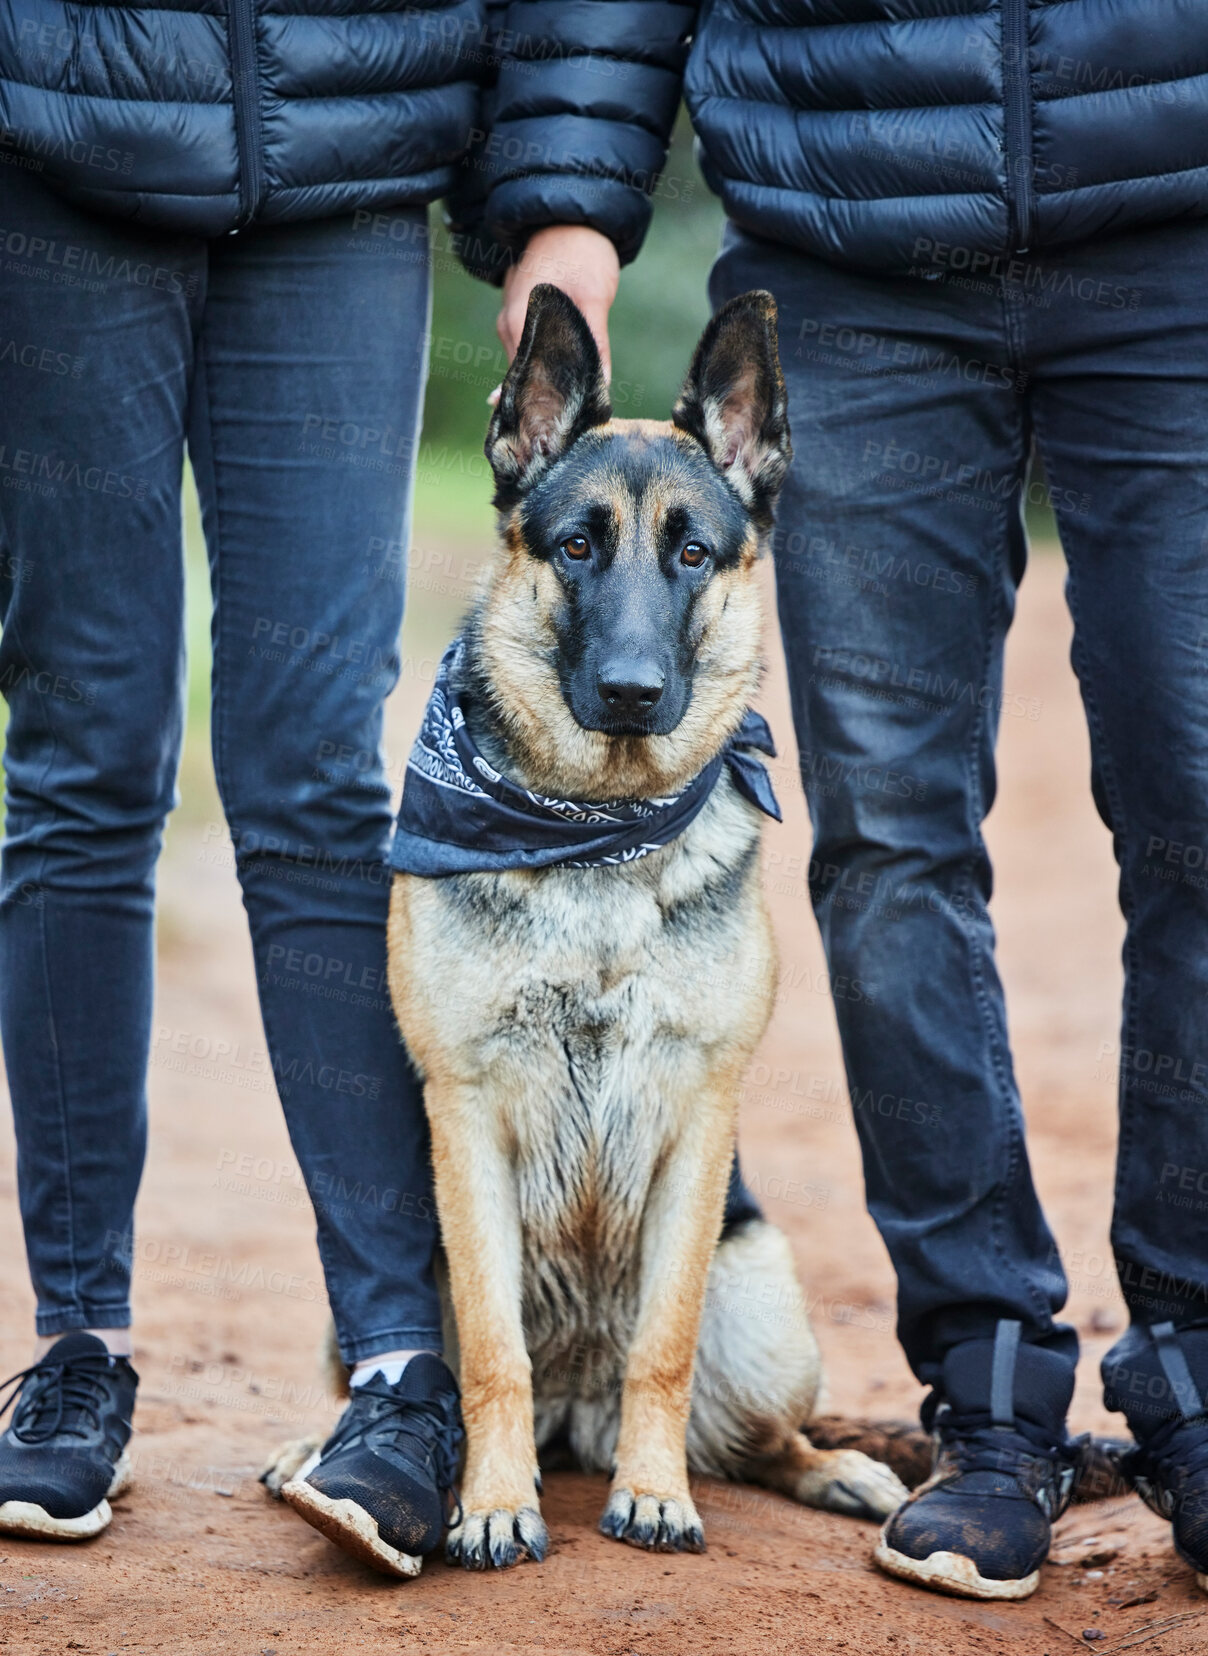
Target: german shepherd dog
x,y
582,1031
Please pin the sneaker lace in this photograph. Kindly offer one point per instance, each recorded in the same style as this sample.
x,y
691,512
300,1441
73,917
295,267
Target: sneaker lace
x,y
63,1398
973,1443
431,1425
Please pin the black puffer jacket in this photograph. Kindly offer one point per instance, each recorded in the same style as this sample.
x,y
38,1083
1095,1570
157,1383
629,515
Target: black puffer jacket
x,y
856,130
849,128
202,115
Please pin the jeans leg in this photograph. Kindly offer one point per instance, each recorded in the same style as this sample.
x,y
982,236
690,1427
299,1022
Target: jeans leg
x,y
1120,405
303,432
91,663
898,549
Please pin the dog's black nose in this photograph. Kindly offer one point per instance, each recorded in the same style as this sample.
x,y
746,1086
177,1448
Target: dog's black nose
x,y
629,686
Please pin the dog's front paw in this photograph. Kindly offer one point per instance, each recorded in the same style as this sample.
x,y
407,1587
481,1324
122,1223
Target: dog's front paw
x,y
287,1462
660,1523
496,1539
861,1487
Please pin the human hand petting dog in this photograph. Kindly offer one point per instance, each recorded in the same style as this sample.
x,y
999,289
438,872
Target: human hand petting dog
x,y
575,258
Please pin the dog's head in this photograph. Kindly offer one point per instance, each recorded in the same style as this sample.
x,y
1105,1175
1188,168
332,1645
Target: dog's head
x,y
620,630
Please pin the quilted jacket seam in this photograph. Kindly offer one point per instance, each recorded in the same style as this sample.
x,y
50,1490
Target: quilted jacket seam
x,y
268,96
112,98
945,195
842,109
989,194
274,192
1133,178
1106,91
862,23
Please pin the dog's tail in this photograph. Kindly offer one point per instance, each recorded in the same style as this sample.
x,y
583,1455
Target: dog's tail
x,y
906,1448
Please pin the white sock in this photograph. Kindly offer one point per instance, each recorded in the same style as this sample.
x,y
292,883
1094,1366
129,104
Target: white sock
x,y
388,1363
117,1339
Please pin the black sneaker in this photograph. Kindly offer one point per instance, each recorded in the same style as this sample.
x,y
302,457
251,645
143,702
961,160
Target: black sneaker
x,y
63,1457
381,1484
1168,1467
1004,1469
1169,1471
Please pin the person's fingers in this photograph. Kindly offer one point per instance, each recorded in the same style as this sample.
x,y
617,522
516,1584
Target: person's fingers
x,y
580,261
503,326
596,315
509,324
508,329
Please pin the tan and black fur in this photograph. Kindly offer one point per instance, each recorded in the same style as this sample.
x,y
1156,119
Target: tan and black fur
x,y
582,1033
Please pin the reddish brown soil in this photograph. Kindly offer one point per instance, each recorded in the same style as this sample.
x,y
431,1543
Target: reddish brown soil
x,y
197,1559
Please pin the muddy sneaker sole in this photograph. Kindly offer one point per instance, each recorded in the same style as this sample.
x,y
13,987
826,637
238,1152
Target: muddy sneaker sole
x,y
29,1519
949,1572
350,1527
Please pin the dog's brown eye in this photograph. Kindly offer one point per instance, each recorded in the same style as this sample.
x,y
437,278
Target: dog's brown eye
x,y
693,555
577,547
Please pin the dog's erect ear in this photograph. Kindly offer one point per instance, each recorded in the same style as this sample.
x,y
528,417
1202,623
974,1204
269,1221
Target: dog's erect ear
x,y
735,404
554,391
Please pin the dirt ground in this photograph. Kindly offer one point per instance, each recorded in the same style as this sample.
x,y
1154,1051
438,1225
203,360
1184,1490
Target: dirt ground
x,y
230,1305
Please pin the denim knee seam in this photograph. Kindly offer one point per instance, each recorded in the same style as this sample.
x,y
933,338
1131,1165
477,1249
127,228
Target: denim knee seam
x,y
1011,1108
61,1103
60,1100
1126,1095
1128,904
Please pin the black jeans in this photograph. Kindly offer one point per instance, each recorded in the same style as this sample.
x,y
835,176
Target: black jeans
x,y
290,363
915,401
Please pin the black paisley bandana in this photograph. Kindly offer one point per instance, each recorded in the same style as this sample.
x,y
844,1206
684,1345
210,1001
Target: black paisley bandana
x,y
459,815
